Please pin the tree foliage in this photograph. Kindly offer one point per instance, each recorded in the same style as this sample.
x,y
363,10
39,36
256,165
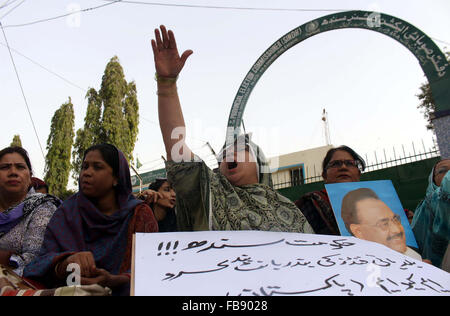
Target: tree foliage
x,y
90,133
427,103
59,145
16,141
112,115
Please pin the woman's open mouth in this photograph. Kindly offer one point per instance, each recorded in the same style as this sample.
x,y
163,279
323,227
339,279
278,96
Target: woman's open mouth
x,y
232,165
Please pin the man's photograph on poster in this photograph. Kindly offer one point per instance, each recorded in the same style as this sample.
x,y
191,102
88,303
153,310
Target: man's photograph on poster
x,y
371,210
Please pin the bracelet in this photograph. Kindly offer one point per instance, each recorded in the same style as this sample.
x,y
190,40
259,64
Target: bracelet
x,y
57,269
167,94
159,78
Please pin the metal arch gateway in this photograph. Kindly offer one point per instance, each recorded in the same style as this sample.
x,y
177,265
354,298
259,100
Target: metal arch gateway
x,y
432,61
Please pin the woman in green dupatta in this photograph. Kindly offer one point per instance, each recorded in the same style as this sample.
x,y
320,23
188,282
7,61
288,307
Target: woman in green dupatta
x,y
237,197
431,221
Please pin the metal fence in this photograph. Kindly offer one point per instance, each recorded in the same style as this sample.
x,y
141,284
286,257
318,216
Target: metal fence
x,y
377,162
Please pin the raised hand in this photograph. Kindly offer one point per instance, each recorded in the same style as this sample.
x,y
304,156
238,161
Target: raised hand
x,y
168,62
150,196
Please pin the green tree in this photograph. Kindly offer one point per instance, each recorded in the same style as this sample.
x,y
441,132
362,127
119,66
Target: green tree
x,y
112,115
427,103
59,145
89,134
16,141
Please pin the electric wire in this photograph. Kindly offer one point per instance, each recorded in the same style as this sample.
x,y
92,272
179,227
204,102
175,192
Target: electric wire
x,y
227,7
63,15
12,9
45,68
7,3
21,89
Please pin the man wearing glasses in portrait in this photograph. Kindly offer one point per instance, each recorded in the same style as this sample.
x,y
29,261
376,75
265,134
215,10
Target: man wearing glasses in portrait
x,y
367,217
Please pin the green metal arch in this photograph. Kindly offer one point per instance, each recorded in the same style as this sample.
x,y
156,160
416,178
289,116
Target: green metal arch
x,y
433,62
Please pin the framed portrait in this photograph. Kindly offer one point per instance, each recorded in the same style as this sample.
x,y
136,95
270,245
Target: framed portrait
x,y
371,210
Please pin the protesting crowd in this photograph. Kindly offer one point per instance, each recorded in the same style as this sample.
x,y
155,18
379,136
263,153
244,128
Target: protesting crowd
x,y
42,237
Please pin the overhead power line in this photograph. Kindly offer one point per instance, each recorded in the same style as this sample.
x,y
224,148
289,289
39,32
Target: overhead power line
x,y
21,89
11,10
7,3
63,15
110,2
45,68
227,7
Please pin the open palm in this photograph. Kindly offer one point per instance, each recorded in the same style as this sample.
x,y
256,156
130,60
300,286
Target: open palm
x,y
168,62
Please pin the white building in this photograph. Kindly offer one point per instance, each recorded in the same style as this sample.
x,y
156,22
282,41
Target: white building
x,y
295,168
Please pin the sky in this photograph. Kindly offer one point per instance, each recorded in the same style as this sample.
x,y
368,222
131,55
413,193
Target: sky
x,y
366,81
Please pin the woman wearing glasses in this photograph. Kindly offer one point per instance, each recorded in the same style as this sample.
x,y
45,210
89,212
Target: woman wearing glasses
x,y
341,164
431,222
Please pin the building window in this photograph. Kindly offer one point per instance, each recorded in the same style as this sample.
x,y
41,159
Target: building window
x,y
297,177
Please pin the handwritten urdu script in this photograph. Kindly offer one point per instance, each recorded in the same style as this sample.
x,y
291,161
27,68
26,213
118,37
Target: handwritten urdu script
x,y
253,263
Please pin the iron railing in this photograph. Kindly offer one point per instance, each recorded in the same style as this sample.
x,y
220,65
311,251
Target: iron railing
x,y
377,163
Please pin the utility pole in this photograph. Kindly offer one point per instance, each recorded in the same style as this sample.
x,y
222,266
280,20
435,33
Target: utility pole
x,y
326,127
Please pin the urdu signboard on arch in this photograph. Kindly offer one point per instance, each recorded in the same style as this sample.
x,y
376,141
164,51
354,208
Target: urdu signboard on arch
x,y
431,59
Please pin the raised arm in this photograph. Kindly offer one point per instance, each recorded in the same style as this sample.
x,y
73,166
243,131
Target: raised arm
x,y
168,65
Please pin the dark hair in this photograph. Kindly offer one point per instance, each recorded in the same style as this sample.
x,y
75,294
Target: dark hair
x,y
349,212
110,155
20,151
38,183
330,153
156,185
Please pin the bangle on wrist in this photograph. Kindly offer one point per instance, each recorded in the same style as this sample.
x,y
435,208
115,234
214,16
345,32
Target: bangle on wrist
x,y
162,79
57,269
167,93
58,273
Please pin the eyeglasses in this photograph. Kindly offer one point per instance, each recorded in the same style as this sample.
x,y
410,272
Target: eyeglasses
x,y
348,163
383,224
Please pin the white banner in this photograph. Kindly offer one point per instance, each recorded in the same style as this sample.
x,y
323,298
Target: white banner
x,y
234,263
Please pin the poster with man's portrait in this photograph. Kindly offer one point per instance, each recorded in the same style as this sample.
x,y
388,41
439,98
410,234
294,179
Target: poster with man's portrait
x,y
371,210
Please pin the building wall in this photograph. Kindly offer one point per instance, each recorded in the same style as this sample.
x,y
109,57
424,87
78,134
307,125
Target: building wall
x,y
308,161
147,178
410,181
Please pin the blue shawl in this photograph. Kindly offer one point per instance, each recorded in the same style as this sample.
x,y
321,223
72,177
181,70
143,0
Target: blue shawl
x,y
431,222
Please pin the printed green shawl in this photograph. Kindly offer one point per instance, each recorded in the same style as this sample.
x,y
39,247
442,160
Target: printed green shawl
x,y
207,201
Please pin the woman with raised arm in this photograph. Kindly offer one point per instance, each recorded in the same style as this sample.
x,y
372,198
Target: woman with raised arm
x,y
237,197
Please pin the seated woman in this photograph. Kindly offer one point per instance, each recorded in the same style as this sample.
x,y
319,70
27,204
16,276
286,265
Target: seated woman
x,y
24,214
93,229
341,164
431,222
161,198
239,196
